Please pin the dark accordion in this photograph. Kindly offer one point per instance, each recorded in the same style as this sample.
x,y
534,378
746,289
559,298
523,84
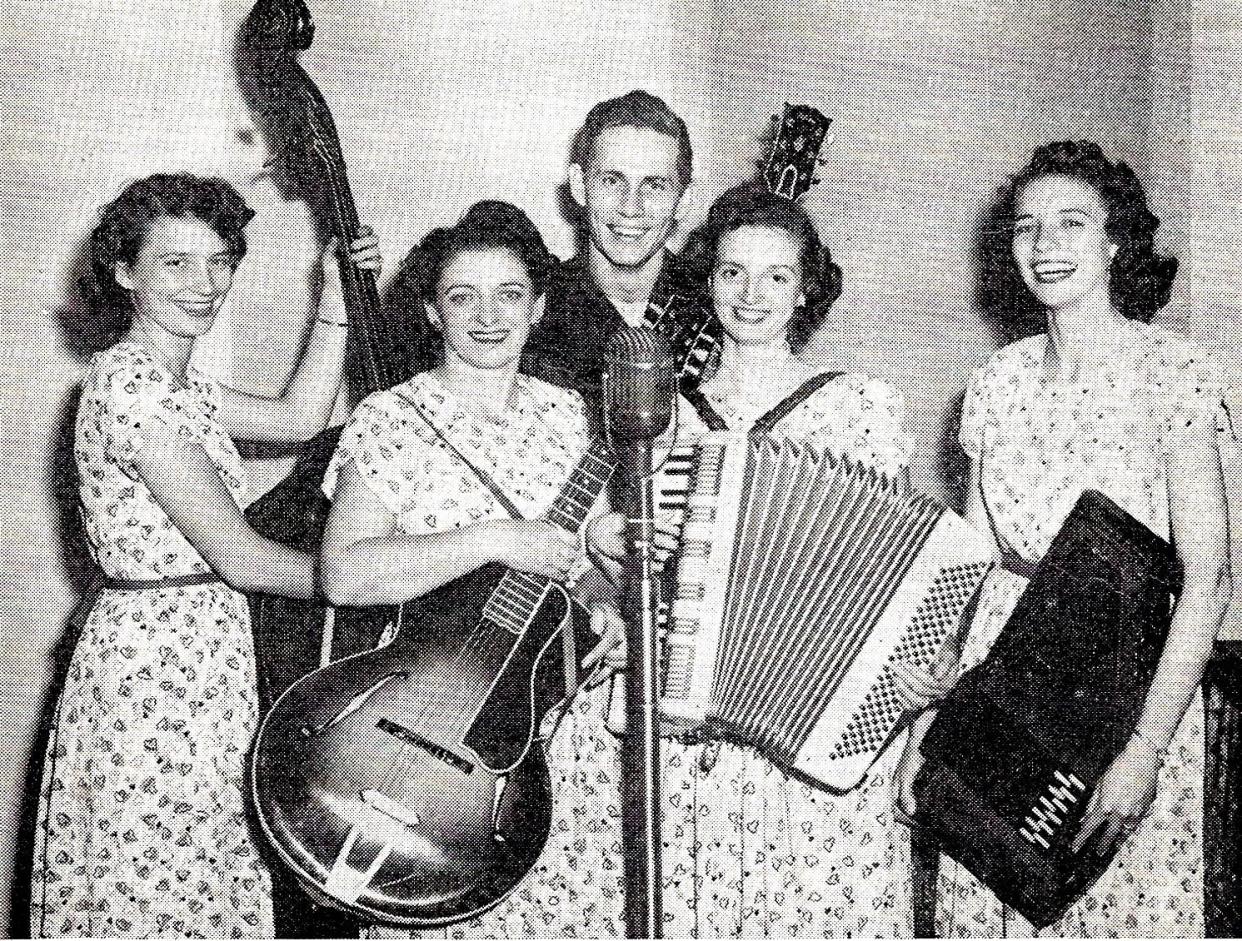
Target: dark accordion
x,y
1022,739
800,579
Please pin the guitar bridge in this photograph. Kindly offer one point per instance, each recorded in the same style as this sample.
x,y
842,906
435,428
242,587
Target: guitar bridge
x,y
390,808
410,737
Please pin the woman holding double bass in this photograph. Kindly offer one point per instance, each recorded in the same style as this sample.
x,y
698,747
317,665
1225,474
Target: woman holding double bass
x,y
142,823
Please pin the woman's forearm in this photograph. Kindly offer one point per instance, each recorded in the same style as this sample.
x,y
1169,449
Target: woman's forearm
x,y
397,567
1196,621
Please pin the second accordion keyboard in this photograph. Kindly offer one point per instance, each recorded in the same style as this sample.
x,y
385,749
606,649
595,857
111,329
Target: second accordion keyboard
x,y
800,579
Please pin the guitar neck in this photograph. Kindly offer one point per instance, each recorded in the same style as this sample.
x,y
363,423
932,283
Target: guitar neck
x,y
517,598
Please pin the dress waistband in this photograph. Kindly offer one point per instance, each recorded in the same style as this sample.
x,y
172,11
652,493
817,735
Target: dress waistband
x,y
170,581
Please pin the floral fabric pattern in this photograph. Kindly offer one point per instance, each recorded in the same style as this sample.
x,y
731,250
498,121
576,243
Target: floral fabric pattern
x,y
142,819
750,851
574,889
1039,447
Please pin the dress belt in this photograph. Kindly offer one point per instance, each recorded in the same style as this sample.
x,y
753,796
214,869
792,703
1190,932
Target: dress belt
x,y
169,581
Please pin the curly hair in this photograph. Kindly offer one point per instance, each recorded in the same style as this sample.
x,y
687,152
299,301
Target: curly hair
x,y
752,204
1140,278
633,109
123,225
486,225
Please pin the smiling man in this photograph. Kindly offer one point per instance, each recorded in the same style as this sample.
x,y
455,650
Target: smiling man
x,y
630,168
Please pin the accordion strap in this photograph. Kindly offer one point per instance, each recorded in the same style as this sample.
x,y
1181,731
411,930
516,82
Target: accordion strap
x,y
766,422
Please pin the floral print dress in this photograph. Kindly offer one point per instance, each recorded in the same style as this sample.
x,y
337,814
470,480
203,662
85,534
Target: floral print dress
x,y
1038,447
574,889
748,850
142,821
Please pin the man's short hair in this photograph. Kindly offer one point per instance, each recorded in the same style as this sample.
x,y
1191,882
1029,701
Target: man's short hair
x,y
634,109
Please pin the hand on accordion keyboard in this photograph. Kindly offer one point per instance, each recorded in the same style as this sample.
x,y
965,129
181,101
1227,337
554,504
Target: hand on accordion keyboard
x,y
916,688
1121,798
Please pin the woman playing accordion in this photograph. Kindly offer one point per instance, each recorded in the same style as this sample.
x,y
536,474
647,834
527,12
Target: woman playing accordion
x,y
749,848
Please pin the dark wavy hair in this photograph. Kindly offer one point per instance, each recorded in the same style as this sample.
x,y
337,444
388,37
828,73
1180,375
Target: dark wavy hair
x,y
633,109
752,204
487,224
122,231
1140,278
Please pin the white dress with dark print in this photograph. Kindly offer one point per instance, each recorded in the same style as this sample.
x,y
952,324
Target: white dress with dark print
x,y
748,850
142,822
574,889
1039,446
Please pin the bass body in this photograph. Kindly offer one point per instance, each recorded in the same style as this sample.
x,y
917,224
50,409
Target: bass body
x,y
406,784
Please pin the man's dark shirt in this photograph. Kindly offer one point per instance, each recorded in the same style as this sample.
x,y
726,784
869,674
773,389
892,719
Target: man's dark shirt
x,y
566,348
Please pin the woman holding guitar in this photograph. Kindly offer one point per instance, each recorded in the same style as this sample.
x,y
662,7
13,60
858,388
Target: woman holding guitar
x,y
450,472
142,821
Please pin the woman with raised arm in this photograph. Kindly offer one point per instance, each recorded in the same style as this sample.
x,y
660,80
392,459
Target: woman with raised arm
x,y
424,484
748,849
1101,400
142,820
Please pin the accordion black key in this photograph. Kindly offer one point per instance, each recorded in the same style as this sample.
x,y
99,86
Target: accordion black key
x,y
1022,739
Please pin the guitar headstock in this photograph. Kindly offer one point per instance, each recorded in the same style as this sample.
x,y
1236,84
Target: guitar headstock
x,y
800,134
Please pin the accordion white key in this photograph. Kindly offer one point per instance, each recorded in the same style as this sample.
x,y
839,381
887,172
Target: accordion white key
x,y
800,579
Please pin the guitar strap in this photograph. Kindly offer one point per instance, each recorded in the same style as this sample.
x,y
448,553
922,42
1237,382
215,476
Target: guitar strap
x,y
766,422
484,478
569,646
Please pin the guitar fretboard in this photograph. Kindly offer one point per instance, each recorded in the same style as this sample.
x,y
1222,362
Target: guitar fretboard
x,y
519,594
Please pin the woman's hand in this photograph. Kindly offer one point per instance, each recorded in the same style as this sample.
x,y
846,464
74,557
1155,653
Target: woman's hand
x,y
364,251
903,780
531,546
916,688
1121,798
606,621
606,539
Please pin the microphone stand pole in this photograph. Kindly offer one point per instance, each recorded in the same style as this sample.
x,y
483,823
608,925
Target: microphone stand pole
x,y
641,755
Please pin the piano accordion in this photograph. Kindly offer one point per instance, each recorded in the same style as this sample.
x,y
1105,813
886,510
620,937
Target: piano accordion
x,y
800,579
1022,739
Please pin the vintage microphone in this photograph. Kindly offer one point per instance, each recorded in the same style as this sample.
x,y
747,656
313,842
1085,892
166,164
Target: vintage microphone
x,y
639,386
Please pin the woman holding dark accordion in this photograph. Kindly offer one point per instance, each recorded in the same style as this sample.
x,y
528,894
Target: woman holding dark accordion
x,y
749,849
1102,400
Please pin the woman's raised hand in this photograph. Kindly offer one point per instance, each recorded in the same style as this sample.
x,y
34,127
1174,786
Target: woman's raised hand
x,y
364,251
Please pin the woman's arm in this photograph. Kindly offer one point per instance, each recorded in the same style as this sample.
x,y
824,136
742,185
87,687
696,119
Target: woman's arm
x,y
1200,524
305,406
366,560
188,488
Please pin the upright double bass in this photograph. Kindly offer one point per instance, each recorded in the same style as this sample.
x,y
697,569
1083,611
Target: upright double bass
x,y
308,165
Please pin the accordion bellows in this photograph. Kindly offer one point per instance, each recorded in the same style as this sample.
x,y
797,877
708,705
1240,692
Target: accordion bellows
x,y
801,578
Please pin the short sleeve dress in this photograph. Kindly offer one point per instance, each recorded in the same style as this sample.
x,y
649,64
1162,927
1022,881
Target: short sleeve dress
x,y
142,826
750,851
1038,447
574,890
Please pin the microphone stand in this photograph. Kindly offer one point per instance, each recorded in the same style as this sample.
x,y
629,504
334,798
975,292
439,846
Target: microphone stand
x,y
641,754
